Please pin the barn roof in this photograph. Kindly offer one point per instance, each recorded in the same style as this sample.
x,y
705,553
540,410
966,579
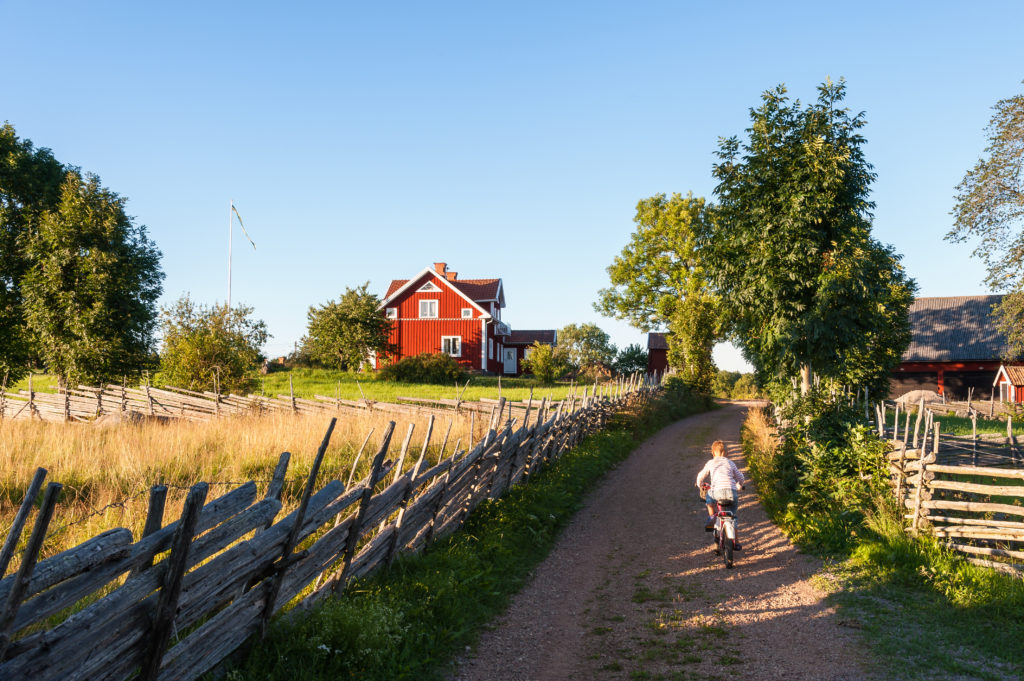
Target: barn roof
x,y
954,329
525,337
657,341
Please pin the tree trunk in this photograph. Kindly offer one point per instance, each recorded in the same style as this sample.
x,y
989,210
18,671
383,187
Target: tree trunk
x,y
805,378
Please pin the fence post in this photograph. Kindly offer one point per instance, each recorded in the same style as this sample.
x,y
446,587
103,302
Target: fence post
x,y
917,423
170,591
919,494
408,492
293,532
14,534
291,392
902,477
338,578
28,564
154,519
440,498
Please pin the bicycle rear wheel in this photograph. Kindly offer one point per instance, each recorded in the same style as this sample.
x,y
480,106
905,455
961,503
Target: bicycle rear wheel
x,y
727,551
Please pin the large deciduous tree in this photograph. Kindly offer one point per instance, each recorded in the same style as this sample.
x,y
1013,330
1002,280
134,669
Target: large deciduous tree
x,y
804,286
586,346
990,209
91,290
207,347
660,280
30,181
343,334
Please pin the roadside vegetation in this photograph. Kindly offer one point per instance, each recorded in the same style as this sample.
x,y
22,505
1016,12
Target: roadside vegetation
x,y
925,612
409,621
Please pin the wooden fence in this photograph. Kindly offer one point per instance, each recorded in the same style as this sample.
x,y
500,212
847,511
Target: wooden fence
x,y
976,510
177,601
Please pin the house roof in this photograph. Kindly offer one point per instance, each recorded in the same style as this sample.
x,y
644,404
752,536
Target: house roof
x,y
525,337
657,341
1015,373
954,329
475,289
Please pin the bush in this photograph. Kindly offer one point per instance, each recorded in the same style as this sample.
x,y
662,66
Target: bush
x,y
546,363
425,368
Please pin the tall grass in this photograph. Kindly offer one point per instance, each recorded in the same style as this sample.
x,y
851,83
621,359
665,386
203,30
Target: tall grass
x,y
114,465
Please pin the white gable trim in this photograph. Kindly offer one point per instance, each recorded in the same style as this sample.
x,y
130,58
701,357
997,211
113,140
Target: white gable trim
x,y
1002,372
431,271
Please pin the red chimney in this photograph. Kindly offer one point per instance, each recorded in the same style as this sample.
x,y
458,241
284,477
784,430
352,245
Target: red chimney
x,y
440,267
450,276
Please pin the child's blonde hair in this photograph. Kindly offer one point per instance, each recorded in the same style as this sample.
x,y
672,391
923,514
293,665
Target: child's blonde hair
x,y
717,448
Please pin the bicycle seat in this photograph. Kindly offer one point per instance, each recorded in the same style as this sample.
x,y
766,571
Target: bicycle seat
x,y
724,503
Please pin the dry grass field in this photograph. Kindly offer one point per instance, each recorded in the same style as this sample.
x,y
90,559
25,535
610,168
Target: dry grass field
x,y
107,470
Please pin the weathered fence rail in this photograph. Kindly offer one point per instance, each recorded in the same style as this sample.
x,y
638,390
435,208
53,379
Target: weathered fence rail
x,y
976,510
176,601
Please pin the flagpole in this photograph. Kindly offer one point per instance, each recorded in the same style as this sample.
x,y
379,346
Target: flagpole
x,y
231,207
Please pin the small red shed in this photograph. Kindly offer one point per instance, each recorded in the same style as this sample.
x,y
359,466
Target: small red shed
x,y
1009,383
657,353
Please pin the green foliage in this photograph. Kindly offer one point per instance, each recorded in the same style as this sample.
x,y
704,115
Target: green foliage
x,y
693,330
547,363
586,346
342,335
78,280
424,368
990,199
90,292
661,280
408,621
734,385
206,346
631,359
803,283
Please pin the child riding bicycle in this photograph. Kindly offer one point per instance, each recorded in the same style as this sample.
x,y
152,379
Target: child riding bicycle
x,y
721,478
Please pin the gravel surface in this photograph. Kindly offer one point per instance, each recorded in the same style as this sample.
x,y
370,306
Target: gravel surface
x,y
634,590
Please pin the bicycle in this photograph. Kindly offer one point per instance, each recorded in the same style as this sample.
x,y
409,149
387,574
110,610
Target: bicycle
x,y
724,528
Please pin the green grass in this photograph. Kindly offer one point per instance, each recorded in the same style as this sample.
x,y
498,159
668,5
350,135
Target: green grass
x,y
409,621
309,382
952,425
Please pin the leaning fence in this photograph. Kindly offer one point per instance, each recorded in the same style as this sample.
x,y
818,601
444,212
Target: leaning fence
x,y
178,600
976,510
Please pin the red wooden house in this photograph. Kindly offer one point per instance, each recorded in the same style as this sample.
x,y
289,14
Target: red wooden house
x,y
435,311
657,352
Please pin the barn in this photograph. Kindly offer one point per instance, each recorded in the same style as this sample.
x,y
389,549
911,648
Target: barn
x,y
435,311
657,353
956,346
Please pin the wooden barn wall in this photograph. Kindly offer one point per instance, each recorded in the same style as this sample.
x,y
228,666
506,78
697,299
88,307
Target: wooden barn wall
x,y
657,361
955,383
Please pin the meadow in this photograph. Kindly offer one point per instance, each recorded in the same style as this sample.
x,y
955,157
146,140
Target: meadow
x,y
107,470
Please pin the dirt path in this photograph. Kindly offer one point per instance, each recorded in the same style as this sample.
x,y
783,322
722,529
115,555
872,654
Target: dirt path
x,y
633,589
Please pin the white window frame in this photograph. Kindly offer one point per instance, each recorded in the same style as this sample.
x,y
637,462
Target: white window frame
x,y
429,303
458,345
391,312
467,313
527,351
490,348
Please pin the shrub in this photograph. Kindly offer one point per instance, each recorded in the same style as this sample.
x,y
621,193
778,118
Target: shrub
x,y
545,362
424,368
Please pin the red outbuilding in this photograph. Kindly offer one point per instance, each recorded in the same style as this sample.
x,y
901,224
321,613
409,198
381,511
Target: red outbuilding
x,y
435,311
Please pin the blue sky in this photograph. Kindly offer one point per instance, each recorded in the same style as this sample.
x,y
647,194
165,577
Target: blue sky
x,y
363,141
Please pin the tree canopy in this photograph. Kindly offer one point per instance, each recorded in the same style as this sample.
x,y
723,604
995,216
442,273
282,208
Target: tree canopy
x,y
586,346
343,334
989,209
210,347
660,280
803,283
79,279
90,293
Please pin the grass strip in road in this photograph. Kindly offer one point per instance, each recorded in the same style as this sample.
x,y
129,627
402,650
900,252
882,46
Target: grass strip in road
x,y
409,621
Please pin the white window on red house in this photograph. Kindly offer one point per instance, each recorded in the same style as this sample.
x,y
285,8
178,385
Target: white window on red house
x,y
451,345
490,348
428,308
467,312
527,352
391,312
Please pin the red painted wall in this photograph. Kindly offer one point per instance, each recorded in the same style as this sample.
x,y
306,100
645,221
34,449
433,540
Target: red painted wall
x,y
657,360
414,335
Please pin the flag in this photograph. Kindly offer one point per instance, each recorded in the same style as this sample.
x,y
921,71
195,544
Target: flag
x,y
242,226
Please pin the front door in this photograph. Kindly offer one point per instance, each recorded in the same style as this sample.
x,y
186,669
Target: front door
x,y
510,360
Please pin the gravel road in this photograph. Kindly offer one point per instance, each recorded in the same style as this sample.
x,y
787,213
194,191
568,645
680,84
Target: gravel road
x,y
634,590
